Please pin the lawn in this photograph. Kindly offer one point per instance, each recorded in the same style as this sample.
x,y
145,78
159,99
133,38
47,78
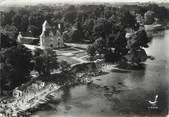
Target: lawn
x,y
68,59
71,54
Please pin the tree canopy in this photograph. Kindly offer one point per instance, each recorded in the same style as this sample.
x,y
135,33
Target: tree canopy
x,y
45,61
16,66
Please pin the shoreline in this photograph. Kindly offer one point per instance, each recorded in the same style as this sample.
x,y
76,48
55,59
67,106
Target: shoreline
x,y
24,103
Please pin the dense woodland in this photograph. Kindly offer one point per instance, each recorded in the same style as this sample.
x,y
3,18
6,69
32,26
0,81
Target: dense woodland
x,y
103,27
83,22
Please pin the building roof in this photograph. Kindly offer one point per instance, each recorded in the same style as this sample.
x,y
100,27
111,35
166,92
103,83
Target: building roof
x,y
27,35
46,25
32,38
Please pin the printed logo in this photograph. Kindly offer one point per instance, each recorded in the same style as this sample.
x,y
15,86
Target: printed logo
x,y
153,104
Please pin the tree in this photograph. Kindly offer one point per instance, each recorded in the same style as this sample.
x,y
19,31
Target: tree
x,y
149,17
76,35
88,24
5,41
99,28
7,18
64,66
120,42
127,19
35,30
70,14
16,20
45,61
99,45
160,12
24,22
141,39
15,66
91,50
1,68
66,36
136,54
11,31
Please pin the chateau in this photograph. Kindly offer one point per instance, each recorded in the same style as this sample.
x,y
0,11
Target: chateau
x,y
50,38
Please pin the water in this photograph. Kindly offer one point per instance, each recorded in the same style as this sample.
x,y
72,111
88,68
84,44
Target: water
x,y
121,93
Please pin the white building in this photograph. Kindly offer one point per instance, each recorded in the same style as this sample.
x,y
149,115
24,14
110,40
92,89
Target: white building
x,y
26,38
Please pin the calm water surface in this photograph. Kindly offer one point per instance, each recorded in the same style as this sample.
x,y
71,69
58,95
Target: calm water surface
x,y
131,90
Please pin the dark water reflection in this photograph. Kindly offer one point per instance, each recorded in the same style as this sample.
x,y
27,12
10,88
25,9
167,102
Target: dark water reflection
x,y
122,93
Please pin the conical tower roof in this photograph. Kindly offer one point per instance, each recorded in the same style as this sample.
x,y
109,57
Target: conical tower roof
x,y
46,25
